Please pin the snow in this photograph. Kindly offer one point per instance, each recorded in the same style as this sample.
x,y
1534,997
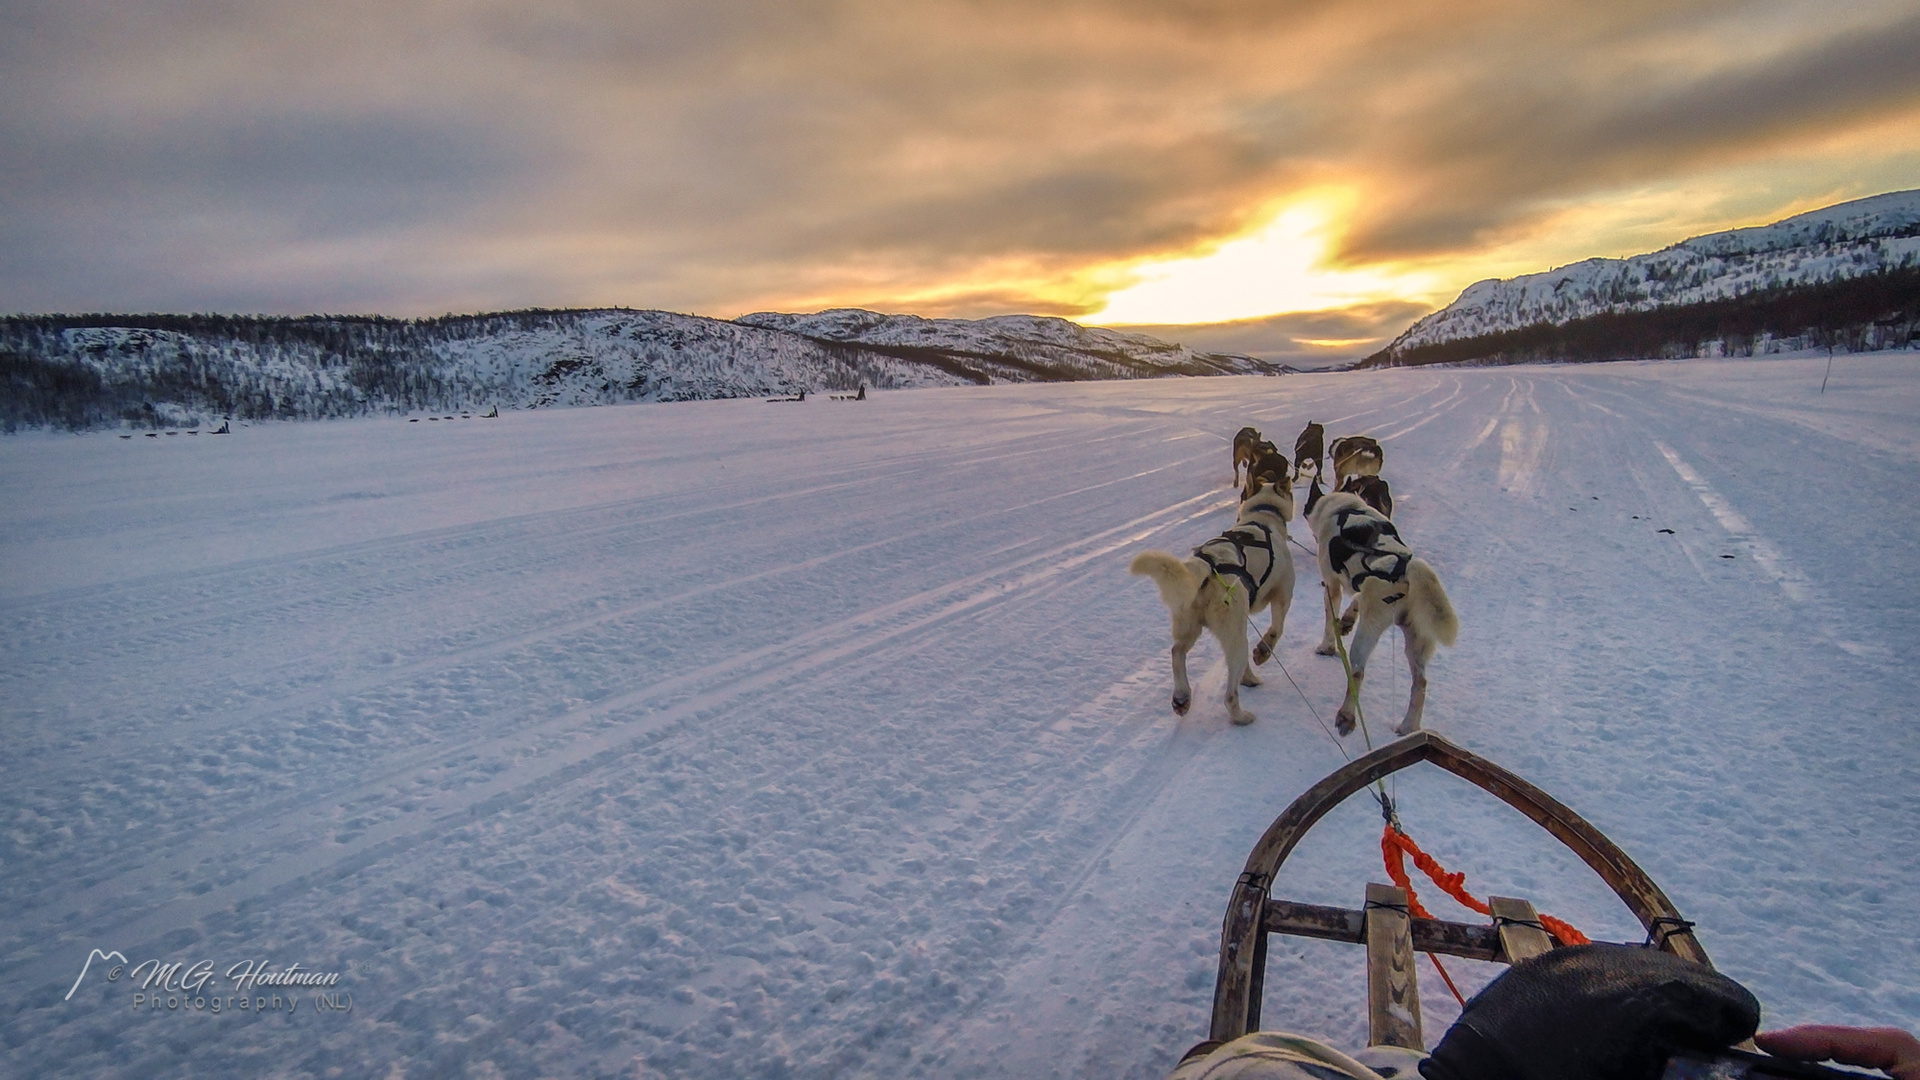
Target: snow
x,y
1865,236
1037,341
721,739
85,376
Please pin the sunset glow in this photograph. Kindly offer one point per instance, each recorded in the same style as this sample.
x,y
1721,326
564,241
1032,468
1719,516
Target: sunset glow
x,y
1283,266
1303,178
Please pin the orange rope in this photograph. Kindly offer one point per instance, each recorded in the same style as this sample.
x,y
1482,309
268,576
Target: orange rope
x,y
1396,845
1448,979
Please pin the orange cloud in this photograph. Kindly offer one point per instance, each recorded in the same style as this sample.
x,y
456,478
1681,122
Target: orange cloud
x,y
950,157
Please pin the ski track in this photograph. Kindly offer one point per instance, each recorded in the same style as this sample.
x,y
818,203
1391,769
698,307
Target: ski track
x,y
818,643
840,747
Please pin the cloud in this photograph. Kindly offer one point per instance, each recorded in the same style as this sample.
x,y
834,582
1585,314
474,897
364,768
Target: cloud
x,y
962,157
1307,339
1511,141
191,213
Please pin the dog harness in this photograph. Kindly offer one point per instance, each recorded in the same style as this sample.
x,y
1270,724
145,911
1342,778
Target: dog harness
x,y
1365,544
1227,553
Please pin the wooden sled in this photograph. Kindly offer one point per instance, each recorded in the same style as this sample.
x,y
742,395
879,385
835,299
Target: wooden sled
x,y
1383,925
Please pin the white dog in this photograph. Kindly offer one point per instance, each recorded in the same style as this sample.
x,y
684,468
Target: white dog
x,y
1360,551
1227,579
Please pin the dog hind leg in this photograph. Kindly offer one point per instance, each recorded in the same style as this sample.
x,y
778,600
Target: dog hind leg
x,y
1186,631
1263,649
1330,592
1276,607
1231,628
1375,617
1419,649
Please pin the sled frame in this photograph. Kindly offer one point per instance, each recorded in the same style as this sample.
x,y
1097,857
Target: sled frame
x,y
1252,914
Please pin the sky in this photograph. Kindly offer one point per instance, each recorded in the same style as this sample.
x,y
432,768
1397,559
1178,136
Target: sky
x,y
1289,178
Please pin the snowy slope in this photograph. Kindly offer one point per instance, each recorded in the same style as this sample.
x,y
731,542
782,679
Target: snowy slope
x,y
1019,347
79,372
1865,236
721,739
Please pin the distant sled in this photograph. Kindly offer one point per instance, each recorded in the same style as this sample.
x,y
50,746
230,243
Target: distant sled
x,y
801,396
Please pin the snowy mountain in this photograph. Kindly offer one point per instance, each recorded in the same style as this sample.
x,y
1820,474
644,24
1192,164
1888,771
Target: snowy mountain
x,y
1013,348
1845,275
182,370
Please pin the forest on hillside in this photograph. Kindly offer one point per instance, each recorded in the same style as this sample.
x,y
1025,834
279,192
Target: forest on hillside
x,y
1858,314
76,372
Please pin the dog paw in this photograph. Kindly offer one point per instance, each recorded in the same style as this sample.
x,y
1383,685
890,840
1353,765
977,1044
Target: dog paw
x,y
1346,623
1250,679
1262,653
1344,722
1326,650
1407,727
1243,718
1181,705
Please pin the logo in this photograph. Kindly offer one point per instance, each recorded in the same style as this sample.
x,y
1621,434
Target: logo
x,y
191,986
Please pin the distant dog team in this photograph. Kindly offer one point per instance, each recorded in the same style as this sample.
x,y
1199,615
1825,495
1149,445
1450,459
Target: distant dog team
x,y
1247,569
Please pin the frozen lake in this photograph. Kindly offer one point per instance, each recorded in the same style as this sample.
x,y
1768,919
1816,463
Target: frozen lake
x,y
728,739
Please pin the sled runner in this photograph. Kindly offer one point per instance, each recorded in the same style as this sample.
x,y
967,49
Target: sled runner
x,y
1391,932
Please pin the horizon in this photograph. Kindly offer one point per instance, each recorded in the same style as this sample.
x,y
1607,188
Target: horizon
x,y
1243,337
1299,182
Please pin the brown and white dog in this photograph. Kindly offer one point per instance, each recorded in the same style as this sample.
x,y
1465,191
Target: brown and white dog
x,y
1355,455
1246,447
1360,551
1269,466
1309,448
1221,585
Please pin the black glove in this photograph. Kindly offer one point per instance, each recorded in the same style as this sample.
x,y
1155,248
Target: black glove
x,y
1593,1012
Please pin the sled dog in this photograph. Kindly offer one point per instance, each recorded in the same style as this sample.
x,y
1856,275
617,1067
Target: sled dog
x,y
1355,455
1373,491
1221,585
1247,446
1361,552
1270,466
1309,448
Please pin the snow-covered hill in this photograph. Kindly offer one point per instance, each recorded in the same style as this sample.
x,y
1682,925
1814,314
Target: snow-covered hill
x,y
1837,244
1017,348
88,371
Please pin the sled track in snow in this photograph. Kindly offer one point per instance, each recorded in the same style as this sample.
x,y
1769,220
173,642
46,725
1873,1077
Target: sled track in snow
x,y
1131,798
545,630
919,795
302,857
263,588
448,668
1780,570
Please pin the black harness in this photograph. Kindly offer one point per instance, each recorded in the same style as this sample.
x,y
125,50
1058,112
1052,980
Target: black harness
x,y
1365,544
1257,535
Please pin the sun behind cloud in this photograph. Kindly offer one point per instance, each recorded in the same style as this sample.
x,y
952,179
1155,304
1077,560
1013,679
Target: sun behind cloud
x,y
1282,266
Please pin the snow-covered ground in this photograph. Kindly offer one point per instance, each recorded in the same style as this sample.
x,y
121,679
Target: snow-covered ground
x,y
727,739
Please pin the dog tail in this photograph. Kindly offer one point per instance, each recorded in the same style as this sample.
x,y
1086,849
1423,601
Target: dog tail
x,y
1177,584
1430,606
